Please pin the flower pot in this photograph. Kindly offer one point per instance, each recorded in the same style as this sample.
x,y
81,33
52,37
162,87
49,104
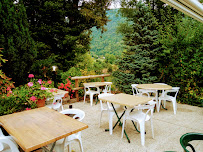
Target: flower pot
x,y
41,102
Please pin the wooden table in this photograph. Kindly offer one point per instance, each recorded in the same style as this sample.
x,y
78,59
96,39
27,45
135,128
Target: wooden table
x,y
39,127
156,87
125,100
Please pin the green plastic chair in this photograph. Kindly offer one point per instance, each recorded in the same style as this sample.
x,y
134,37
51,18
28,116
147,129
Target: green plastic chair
x,y
186,138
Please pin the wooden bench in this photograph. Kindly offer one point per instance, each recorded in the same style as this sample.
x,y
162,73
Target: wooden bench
x,y
77,78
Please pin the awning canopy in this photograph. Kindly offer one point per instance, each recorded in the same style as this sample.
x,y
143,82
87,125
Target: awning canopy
x,y
192,8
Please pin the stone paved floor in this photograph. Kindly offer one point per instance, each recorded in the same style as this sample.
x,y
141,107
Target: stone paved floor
x,y
168,128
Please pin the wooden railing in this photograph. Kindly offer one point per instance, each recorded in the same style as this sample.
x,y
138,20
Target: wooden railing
x,y
77,78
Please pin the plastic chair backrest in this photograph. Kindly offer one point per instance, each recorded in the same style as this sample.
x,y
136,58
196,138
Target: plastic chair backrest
x,y
146,91
5,140
77,113
149,107
107,89
174,89
104,95
134,89
87,89
186,138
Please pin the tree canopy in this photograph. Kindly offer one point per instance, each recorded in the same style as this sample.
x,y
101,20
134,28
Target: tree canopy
x,y
60,30
138,63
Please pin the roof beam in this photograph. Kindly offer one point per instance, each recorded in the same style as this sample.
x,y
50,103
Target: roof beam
x,y
192,8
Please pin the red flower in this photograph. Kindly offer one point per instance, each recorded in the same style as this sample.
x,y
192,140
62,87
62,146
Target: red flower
x,y
53,90
28,108
33,98
30,76
49,82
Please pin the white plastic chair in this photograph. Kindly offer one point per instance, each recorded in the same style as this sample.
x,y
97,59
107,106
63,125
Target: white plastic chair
x,y
165,97
139,116
139,92
107,88
134,89
110,111
88,91
62,143
7,143
57,102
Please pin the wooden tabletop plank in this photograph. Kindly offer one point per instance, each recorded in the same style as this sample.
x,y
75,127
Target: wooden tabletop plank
x,y
90,76
36,128
126,99
154,86
97,84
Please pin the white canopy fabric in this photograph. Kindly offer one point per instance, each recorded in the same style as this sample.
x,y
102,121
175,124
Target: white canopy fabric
x,y
192,8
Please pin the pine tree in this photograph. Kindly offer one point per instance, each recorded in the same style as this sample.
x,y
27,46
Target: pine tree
x,y
19,47
138,63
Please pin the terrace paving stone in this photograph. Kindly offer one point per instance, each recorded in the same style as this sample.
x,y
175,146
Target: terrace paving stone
x,y
168,128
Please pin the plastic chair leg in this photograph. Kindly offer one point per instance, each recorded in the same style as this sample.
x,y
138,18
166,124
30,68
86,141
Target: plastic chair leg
x,y
111,122
123,126
84,98
174,106
69,148
80,142
91,99
59,147
100,118
152,127
142,132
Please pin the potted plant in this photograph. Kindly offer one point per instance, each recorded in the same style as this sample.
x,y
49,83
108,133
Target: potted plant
x,y
35,91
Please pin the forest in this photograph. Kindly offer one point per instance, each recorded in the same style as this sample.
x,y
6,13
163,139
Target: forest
x,y
110,41
143,42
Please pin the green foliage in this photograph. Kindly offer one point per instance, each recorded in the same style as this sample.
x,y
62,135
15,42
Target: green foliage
x,y
63,28
25,96
13,104
138,63
5,82
19,47
109,41
110,58
181,61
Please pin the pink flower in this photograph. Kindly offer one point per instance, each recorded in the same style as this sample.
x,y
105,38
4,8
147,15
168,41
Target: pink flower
x,y
30,76
43,88
33,98
28,108
40,81
53,90
69,76
49,82
30,84
8,88
73,91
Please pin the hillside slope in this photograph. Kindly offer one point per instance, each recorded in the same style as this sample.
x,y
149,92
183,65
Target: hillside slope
x,y
109,42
